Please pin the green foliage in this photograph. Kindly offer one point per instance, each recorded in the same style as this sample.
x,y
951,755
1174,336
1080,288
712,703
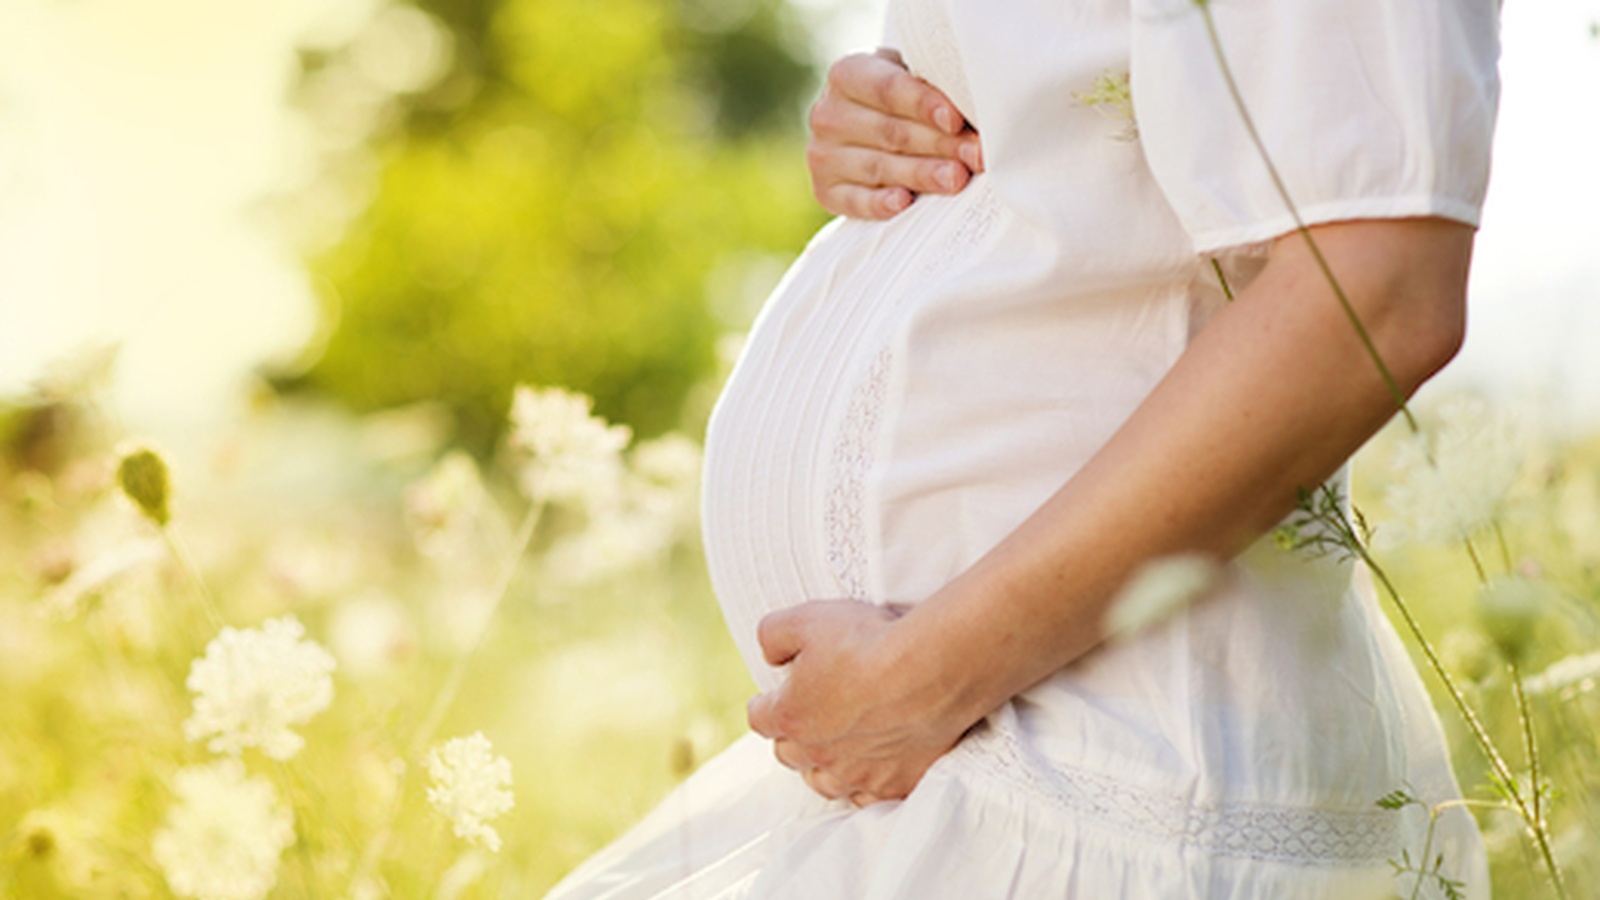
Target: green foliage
x,y
558,225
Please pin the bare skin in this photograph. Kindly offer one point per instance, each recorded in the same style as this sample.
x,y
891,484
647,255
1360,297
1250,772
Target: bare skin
x,y
880,136
1273,395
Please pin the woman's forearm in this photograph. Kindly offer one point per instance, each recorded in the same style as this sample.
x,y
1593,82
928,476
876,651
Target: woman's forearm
x,y
1274,395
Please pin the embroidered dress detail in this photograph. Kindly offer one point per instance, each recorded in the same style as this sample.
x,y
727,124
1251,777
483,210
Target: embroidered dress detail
x,y
853,454
1296,836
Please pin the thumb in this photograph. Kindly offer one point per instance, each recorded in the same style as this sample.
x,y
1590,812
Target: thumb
x,y
780,636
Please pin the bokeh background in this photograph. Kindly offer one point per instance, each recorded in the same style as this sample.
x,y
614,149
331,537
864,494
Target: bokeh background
x,y
309,247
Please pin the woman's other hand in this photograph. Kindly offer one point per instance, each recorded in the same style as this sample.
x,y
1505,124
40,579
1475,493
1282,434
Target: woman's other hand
x,y
856,717
880,136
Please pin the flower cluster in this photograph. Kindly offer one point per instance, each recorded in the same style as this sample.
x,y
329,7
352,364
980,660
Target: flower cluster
x,y
222,839
442,509
572,456
471,785
1455,485
253,685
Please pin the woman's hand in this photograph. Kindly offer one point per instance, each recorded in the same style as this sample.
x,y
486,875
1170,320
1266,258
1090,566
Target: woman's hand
x,y
854,718
880,136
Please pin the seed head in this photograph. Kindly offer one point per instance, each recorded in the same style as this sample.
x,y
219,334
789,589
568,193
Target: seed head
x,y
142,475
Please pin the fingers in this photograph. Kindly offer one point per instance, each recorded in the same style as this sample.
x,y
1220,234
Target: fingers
x,y
792,756
840,119
857,202
832,787
825,784
920,174
883,84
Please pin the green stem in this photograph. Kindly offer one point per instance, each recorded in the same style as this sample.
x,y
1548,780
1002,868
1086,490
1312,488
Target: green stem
x,y
458,671
1299,223
1427,848
1477,563
1222,279
1541,831
1497,762
186,560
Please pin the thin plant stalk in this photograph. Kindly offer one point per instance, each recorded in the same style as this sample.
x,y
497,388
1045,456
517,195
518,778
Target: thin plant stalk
x,y
1299,223
1530,745
1477,562
1434,812
447,694
1222,280
191,568
1497,761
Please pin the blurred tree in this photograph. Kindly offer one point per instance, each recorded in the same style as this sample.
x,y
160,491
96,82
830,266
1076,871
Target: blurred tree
x,y
551,200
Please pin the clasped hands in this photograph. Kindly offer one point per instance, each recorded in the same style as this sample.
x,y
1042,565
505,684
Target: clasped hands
x,y
859,716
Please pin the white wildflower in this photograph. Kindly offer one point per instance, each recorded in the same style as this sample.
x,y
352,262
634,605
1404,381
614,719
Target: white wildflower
x,y
572,455
471,785
370,634
670,461
616,544
222,839
253,685
1476,457
658,505
666,480
1159,589
1580,673
441,509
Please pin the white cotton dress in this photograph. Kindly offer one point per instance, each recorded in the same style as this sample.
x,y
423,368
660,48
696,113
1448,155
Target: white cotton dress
x,y
915,388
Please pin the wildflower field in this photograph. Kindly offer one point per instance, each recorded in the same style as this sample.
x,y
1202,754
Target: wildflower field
x,y
331,657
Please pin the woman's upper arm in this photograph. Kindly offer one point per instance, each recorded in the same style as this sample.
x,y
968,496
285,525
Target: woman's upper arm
x,y
1404,279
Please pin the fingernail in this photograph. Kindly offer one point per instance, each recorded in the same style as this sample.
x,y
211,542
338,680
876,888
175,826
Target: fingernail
x,y
970,155
946,178
898,201
945,120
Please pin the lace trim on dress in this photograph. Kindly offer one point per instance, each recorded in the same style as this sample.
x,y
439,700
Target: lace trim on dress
x,y
855,447
853,455
1282,834
976,222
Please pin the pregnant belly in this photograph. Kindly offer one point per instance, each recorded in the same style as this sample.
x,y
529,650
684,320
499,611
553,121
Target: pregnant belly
x,y
791,439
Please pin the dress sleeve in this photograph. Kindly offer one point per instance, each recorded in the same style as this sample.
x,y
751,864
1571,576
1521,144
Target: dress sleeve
x,y
1367,108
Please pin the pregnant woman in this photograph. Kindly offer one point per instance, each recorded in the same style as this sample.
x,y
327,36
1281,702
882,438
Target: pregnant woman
x,y
955,433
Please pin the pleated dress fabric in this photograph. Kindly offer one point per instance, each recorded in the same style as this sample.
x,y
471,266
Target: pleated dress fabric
x,y
915,388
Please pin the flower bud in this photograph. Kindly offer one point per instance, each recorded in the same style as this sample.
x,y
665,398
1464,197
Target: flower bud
x,y
142,475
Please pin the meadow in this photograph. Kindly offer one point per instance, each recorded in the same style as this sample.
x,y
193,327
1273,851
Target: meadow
x,y
233,674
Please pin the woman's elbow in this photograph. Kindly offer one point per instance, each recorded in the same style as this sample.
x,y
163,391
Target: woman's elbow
x,y
1406,280
1433,333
